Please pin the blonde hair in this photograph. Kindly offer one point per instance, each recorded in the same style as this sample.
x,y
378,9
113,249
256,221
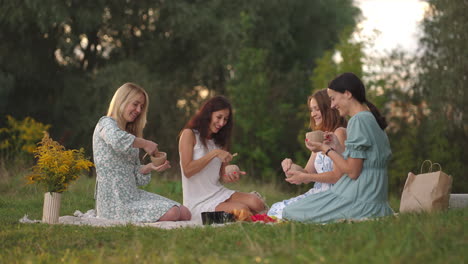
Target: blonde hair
x,y
120,100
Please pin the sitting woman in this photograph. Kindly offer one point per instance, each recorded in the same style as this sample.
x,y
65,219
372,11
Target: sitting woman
x,y
319,168
363,190
204,155
116,142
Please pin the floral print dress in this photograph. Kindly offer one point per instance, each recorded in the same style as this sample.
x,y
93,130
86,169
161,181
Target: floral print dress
x,y
322,163
117,168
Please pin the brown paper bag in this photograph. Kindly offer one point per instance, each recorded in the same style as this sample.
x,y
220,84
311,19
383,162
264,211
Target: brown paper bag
x,y
426,191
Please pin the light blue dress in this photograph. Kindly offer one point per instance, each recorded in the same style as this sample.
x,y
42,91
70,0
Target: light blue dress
x,y
322,163
117,168
365,197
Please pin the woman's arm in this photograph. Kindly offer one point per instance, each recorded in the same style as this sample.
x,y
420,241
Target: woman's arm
x,y
190,166
149,146
340,134
118,139
351,166
310,166
298,177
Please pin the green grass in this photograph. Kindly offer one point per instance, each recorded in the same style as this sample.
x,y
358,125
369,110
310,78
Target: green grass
x,y
412,238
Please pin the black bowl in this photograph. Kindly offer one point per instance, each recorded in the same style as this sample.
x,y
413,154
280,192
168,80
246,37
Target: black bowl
x,y
218,217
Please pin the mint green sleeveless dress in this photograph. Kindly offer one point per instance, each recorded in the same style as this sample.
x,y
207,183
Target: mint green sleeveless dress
x,y
365,197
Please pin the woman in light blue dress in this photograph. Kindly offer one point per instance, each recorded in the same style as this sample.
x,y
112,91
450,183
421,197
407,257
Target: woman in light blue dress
x,y
363,190
319,168
117,139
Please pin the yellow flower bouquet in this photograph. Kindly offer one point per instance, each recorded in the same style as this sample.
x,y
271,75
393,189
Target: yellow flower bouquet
x,y
57,167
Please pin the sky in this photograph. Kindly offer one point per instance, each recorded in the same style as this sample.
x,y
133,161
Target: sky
x,y
397,21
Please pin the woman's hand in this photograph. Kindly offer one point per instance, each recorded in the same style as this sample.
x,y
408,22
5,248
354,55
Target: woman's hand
x,y
223,155
315,146
233,176
331,140
151,167
166,165
336,140
296,177
150,147
286,164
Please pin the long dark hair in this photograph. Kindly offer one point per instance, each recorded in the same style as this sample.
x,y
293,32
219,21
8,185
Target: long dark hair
x,y
350,82
201,121
331,119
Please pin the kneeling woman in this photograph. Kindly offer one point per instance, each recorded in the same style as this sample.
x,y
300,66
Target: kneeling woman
x,y
116,142
204,154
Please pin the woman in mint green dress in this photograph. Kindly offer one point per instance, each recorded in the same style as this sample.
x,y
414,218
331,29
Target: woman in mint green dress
x,y
117,139
363,191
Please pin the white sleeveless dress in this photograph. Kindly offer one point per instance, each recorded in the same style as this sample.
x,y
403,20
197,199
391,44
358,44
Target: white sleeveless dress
x,y
203,191
322,164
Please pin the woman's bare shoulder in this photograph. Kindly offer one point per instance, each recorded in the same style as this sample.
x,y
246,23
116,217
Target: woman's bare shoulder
x,y
187,132
340,131
187,135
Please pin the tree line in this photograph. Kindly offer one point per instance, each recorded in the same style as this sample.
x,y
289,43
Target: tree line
x,y
63,60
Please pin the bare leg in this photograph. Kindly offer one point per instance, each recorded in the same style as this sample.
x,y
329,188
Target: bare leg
x,y
241,200
231,206
172,215
185,214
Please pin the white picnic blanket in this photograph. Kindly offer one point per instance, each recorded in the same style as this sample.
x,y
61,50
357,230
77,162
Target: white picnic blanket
x,y
90,218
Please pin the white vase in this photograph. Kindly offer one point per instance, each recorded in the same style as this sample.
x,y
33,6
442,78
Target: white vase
x,y
51,210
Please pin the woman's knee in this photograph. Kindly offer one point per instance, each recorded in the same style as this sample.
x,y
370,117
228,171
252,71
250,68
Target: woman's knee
x,y
255,203
185,213
172,214
230,206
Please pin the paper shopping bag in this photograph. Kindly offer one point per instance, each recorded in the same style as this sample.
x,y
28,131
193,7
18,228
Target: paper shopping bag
x,y
426,191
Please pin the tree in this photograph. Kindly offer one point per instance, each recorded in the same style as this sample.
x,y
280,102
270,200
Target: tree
x,y
443,82
270,79
68,57
346,56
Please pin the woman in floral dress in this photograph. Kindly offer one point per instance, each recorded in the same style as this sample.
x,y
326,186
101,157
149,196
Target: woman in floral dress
x,y
117,139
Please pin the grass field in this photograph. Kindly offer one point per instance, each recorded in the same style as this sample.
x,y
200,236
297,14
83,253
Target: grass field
x,y
420,238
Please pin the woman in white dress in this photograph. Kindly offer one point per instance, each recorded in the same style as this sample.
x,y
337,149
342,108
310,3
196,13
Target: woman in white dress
x,y
319,167
204,154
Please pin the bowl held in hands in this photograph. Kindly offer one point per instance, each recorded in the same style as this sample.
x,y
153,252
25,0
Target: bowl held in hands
x,y
159,158
231,169
315,136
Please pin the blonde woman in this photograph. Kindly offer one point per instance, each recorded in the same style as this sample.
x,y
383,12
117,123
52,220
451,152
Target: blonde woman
x,y
117,138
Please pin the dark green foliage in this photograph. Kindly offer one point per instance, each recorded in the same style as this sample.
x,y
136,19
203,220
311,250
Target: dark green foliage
x,y
443,85
270,82
64,59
